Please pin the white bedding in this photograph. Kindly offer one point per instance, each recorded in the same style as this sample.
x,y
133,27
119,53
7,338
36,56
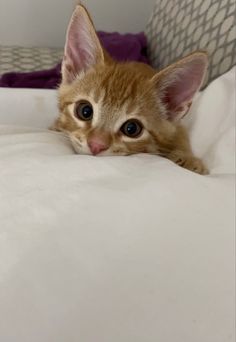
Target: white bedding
x,y
115,249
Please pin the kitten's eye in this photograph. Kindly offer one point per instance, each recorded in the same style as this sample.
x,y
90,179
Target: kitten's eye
x,y
84,111
132,128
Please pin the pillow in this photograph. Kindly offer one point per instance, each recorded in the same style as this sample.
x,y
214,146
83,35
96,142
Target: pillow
x,y
176,28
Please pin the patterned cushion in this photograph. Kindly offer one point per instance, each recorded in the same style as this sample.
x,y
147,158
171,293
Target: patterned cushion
x,y
26,59
176,28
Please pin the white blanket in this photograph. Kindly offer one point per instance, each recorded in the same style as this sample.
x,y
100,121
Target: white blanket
x,y
115,249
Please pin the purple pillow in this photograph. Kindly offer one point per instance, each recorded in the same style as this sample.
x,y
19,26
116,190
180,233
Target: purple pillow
x,y
122,47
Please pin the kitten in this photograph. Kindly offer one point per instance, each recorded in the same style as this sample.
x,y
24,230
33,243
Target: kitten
x,y
111,108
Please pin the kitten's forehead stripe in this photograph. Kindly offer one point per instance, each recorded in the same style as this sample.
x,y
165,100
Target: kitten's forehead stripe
x,y
120,87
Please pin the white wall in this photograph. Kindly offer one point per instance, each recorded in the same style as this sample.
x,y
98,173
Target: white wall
x,y
43,22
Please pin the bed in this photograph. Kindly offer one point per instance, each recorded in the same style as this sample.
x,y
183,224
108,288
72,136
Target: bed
x,y
105,249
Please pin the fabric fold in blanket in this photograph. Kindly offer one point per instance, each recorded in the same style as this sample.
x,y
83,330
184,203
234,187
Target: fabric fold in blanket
x,y
122,47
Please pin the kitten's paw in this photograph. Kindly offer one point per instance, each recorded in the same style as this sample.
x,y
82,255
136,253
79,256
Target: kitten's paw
x,y
54,127
191,163
196,165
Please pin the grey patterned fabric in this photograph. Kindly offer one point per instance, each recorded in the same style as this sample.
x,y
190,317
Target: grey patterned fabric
x,y
179,27
28,59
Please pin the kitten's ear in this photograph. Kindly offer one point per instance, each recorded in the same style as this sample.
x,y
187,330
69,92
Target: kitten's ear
x,y
82,49
177,84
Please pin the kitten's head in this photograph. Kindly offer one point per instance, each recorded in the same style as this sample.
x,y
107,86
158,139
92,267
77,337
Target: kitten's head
x,y
120,108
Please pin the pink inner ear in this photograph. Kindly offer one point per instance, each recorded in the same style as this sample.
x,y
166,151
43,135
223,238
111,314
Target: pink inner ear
x,y
180,86
82,45
79,47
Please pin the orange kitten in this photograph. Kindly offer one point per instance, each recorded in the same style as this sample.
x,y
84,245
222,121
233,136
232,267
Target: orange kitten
x,y
111,108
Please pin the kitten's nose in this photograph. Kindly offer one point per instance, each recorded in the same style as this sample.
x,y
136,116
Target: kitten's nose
x,y
97,146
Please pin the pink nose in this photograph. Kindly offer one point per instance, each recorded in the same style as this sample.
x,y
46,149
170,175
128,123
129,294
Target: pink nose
x,y
97,146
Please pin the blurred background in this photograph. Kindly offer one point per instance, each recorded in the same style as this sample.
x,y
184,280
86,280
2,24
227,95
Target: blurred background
x,y
32,34
43,22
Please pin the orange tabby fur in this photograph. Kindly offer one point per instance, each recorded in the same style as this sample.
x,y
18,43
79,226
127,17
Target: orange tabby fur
x,y
117,92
